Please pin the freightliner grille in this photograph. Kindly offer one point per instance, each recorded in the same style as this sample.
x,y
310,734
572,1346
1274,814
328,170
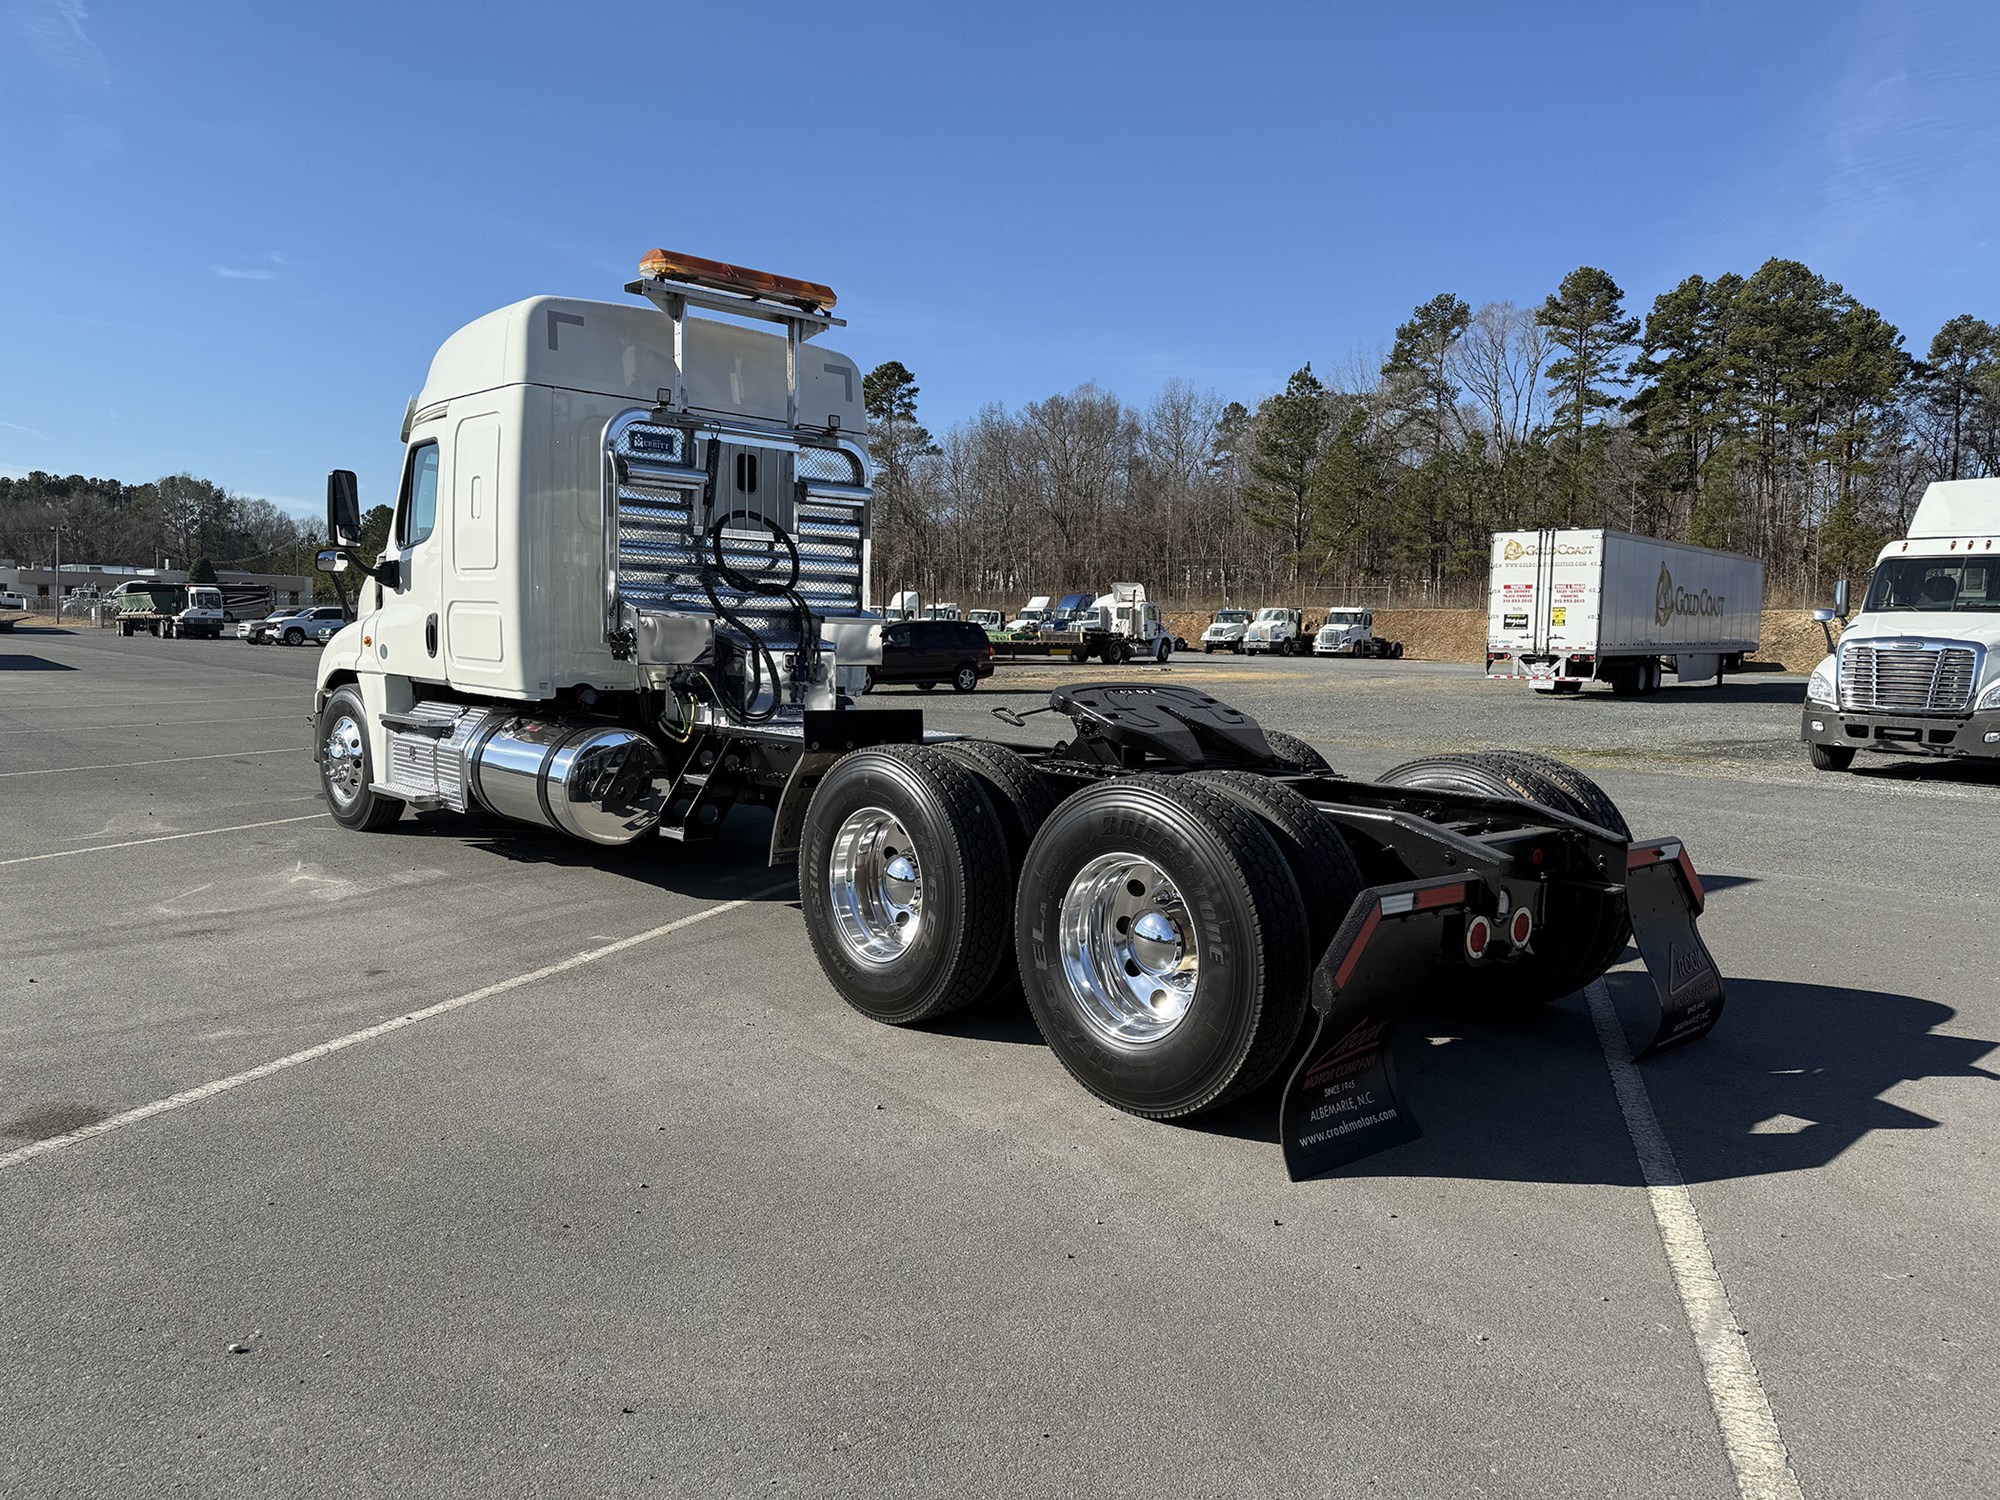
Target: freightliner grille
x,y
1907,679
664,552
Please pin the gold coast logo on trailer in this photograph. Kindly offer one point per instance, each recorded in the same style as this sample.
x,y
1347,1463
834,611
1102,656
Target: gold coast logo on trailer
x,y
1513,550
1669,601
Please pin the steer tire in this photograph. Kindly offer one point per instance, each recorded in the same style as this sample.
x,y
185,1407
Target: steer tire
x,y
1328,877
1290,753
1831,757
961,851
346,786
1249,993
1585,931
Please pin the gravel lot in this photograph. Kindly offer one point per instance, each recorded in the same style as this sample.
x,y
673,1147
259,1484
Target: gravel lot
x,y
646,1209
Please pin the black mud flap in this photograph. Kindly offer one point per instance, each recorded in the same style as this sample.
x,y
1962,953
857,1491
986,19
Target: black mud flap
x,y
1341,1103
1664,896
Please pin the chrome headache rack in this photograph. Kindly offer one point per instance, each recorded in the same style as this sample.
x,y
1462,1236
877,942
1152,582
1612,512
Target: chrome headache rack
x,y
703,514
1908,677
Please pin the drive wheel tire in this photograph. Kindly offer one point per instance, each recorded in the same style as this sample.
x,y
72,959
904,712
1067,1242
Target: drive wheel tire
x,y
1114,652
903,879
1158,934
1290,753
347,766
1328,877
965,678
1585,931
295,637
1396,651
1023,801
1593,804
1831,757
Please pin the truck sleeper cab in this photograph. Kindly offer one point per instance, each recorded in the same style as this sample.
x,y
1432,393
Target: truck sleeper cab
x,y
630,553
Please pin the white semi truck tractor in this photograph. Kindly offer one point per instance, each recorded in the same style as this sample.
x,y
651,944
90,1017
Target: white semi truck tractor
x,y
629,553
1917,671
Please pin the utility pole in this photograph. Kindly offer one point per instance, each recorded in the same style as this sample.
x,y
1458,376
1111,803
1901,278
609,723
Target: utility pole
x,y
55,585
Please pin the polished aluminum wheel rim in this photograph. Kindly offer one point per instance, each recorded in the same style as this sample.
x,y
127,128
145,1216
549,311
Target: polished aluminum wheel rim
x,y
341,760
876,885
1130,954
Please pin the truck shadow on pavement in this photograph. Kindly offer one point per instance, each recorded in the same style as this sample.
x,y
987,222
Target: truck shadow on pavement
x,y
1793,1076
726,868
1672,698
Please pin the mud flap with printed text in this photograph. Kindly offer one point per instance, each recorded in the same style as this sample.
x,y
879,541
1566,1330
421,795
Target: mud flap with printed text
x,y
1341,1103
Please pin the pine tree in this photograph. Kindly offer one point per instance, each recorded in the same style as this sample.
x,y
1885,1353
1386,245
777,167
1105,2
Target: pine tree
x,y
1586,319
1287,442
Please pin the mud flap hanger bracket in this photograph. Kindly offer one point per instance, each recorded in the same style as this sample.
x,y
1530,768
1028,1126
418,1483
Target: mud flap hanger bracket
x,y
1341,1103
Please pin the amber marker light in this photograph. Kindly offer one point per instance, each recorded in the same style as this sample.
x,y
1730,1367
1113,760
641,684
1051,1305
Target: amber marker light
x,y
662,264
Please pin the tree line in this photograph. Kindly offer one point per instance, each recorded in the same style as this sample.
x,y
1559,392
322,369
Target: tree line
x,y
1773,414
180,521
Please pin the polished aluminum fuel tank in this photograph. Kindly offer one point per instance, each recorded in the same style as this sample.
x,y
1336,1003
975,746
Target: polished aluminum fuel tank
x,y
595,781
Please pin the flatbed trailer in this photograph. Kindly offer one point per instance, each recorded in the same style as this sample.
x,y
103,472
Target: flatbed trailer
x,y
1191,905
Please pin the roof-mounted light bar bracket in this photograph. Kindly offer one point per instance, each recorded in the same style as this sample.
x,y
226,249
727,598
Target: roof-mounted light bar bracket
x,y
674,283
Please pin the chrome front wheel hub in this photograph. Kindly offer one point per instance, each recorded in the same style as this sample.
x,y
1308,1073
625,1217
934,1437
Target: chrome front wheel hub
x,y
875,883
341,760
1130,954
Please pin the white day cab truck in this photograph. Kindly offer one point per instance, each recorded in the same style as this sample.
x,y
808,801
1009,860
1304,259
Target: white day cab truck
x,y
1351,632
1277,631
627,559
1570,607
1917,671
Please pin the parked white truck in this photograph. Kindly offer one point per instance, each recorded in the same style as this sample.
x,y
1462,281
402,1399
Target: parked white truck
x,y
1351,632
1225,631
1917,671
1127,612
1568,607
627,559
1277,631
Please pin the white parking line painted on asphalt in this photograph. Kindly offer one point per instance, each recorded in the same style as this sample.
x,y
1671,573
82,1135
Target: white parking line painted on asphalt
x,y
195,1095
1751,1440
160,838
170,760
298,718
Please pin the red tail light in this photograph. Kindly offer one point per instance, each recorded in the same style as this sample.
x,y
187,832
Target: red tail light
x,y
1522,927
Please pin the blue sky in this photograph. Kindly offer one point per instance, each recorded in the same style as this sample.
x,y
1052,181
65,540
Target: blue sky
x,y
231,235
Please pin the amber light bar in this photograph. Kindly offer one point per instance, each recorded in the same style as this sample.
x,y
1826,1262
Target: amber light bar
x,y
664,264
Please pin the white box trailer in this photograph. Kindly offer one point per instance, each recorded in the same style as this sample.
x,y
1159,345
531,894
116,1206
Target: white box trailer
x,y
1566,607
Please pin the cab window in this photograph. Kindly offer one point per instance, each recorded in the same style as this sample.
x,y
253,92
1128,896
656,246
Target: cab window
x,y
416,512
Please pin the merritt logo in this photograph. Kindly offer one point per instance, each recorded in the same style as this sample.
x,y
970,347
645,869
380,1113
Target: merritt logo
x,y
1669,601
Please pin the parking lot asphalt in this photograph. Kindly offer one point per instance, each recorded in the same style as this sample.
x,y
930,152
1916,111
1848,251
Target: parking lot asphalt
x,y
638,1206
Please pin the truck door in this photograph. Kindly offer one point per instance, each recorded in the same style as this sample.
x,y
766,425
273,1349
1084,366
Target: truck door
x,y
407,630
